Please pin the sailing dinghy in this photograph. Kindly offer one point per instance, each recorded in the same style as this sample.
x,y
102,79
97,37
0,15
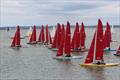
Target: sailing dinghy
x,y
41,38
32,39
57,38
48,39
107,38
16,39
118,52
29,33
64,50
95,54
82,38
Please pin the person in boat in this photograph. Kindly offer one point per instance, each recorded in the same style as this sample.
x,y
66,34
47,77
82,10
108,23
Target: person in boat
x,y
109,48
99,62
68,55
8,29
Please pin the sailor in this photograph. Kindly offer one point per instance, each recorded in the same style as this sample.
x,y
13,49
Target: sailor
x,y
68,55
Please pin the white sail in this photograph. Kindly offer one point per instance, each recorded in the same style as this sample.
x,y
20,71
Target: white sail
x,y
112,29
53,31
29,31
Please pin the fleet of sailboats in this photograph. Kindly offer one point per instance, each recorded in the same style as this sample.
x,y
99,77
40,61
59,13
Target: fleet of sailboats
x,y
64,44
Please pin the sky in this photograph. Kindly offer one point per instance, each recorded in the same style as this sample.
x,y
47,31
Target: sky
x,y
38,12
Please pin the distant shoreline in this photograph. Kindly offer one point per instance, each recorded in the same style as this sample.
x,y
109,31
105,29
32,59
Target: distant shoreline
x,y
37,27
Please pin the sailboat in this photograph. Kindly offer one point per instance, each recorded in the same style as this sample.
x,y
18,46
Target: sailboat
x,y
16,39
75,43
32,39
41,38
95,54
118,52
29,33
57,38
53,32
64,50
112,29
107,37
82,38
48,39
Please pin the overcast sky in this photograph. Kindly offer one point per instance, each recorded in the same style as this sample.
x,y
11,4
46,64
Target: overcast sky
x,y
38,12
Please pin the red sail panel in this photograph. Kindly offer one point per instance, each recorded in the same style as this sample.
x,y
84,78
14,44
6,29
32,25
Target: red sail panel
x,y
109,31
99,42
40,34
82,35
43,36
67,49
14,40
73,40
90,55
47,34
18,36
77,36
61,46
107,36
50,38
105,39
118,52
34,33
54,40
58,34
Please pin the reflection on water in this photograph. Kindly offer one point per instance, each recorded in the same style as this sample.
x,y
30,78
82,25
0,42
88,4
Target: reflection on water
x,y
96,73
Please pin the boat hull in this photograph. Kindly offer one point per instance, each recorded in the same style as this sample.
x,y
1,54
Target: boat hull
x,y
67,58
79,50
54,49
99,65
117,54
32,43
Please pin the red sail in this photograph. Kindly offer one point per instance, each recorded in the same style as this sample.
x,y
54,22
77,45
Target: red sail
x,y
67,39
90,55
109,31
82,36
58,34
47,34
14,40
54,40
18,36
50,38
99,42
61,46
73,40
39,38
107,36
118,52
42,34
77,37
34,33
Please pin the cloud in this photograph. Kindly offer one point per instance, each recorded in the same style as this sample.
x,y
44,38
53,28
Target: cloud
x,y
52,11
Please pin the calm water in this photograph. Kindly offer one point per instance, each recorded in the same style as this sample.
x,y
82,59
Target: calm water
x,y
36,62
